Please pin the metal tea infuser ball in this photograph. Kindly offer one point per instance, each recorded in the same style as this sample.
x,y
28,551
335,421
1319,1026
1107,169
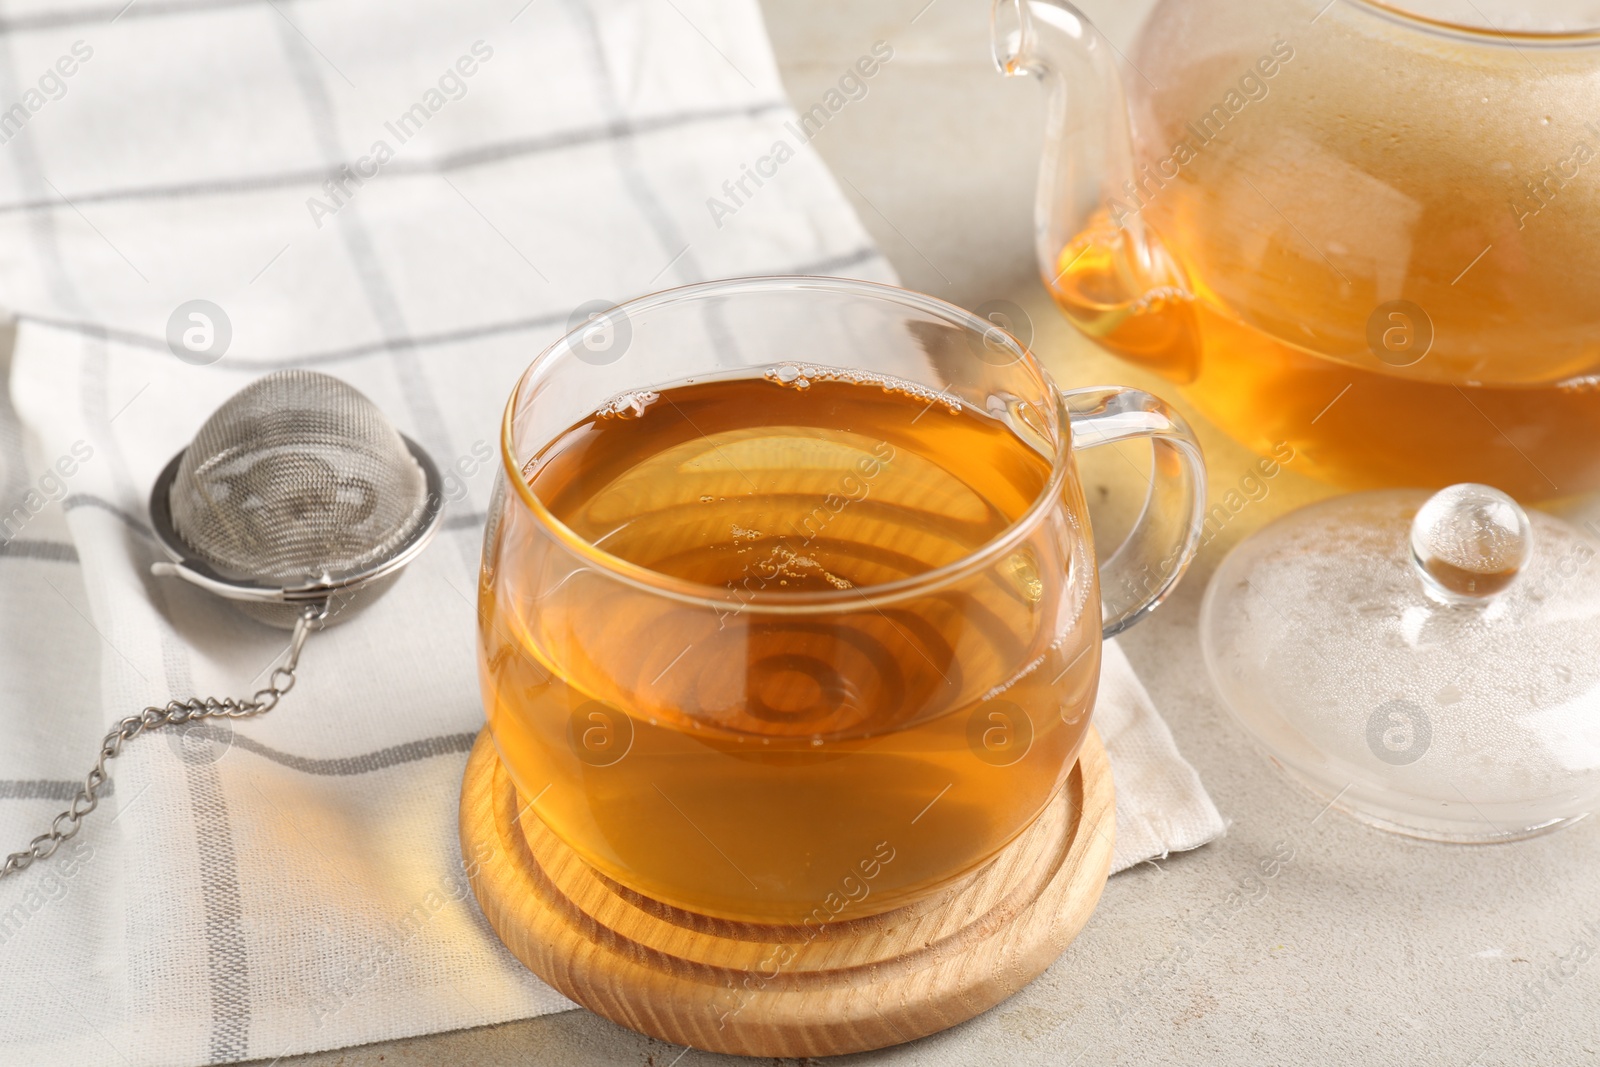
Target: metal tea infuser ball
x,y
1425,663
298,501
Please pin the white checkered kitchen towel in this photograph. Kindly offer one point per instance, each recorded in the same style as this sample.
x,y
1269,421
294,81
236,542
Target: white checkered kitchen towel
x,y
413,197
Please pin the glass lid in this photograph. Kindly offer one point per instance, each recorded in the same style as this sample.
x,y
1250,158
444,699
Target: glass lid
x,y
1428,664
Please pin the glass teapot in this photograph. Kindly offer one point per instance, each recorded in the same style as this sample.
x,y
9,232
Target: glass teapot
x,y
1368,230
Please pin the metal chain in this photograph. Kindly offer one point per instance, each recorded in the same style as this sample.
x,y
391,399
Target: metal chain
x,y
175,713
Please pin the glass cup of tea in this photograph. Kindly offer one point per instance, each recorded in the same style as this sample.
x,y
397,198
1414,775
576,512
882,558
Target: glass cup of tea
x,y
789,593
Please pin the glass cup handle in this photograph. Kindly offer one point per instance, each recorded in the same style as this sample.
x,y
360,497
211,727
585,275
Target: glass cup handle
x,y
1145,567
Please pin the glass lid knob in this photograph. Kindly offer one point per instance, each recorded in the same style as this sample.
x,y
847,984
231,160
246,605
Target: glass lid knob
x,y
1470,542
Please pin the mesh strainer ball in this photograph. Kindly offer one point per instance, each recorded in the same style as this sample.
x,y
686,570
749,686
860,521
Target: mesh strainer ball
x,y
297,490
298,501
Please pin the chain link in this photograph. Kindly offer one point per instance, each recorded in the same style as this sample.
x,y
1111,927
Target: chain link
x,y
175,713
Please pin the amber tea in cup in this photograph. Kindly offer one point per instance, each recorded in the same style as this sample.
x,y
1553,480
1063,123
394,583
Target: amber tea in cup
x,y
790,607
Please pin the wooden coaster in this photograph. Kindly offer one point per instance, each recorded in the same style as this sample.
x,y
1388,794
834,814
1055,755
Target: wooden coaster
x,y
767,990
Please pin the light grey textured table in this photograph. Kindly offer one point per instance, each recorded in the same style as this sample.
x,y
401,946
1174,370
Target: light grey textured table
x,y
1362,948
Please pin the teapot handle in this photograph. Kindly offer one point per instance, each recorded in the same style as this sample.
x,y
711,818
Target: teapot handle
x,y
1146,566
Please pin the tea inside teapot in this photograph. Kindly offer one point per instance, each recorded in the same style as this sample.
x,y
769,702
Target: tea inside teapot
x,y
1362,230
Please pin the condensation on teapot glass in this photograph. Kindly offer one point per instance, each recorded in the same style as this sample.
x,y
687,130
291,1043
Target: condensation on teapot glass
x,y
1368,230
1504,16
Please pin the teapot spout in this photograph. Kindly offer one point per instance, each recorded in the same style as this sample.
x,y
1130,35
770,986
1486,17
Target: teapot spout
x,y
1088,151
1105,269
